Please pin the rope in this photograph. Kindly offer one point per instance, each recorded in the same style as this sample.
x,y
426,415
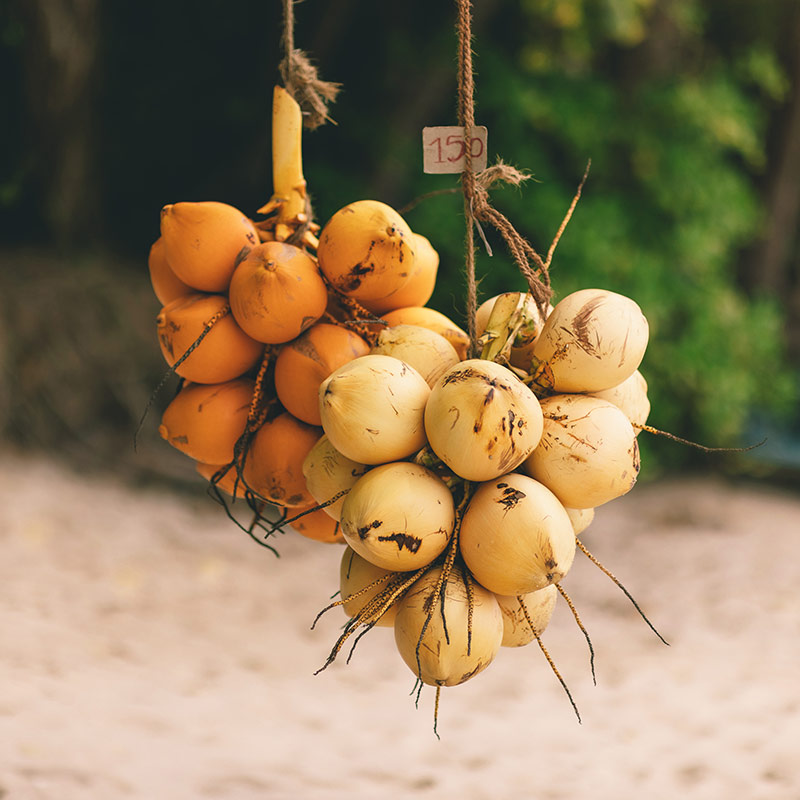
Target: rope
x,y
301,79
477,207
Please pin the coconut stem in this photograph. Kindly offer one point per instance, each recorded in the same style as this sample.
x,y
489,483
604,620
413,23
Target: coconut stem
x,y
436,712
438,593
287,163
311,510
674,438
596,562
372,611
553,665
521,601
223,312
574,611
502,327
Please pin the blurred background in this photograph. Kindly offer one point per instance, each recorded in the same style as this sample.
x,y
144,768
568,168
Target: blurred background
x,y
688,109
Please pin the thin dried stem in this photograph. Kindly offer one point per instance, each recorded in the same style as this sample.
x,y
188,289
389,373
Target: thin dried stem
x,y
439,591
427,195
373,610
574,611
567,217
674,438
521,601
374,584
223,312
436,712
555,671
470,605
596,562
311,510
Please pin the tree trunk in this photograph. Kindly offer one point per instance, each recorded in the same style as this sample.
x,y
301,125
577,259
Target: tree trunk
x,y
61,65
772,260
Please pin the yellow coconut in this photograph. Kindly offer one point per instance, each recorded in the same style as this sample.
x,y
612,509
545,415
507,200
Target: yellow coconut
x,y
328,473
539,605
203,242
630,397
429,353
516,537
166,284
588,454
225,351
274,465
420,285
593,339
461,636
434,321
481,420
205,421
581,518
276,292
372,409
398,516
366,250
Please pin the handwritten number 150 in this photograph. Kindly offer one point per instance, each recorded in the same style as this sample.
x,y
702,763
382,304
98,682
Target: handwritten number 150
x,y
454,140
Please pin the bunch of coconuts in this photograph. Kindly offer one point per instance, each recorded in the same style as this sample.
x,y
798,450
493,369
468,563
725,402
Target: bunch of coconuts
x,y
315,381
253,325
461,485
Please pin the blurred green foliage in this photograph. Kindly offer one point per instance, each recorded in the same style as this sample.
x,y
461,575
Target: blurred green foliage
x,y
671,201
670,99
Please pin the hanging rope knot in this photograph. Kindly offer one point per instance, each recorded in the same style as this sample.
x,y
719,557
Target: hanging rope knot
x,y
301,79
500,172
475,187
311,93
532,266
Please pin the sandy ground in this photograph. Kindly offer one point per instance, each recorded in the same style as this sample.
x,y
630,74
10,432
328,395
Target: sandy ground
x,y
150,650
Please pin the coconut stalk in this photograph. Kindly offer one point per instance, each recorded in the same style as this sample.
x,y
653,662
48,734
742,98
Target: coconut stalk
x,y
289,198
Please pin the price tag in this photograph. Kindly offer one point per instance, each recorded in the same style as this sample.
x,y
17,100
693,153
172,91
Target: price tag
x,y
444,149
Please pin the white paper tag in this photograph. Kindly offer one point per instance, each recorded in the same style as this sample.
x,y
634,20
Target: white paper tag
x,y
444,150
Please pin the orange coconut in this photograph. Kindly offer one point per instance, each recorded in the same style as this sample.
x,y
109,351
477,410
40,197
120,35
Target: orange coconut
x,y
274,465
204,421
224,353
366,250
203,242
419,287
277,292
305,362
317,525
166,284
227,483
434,321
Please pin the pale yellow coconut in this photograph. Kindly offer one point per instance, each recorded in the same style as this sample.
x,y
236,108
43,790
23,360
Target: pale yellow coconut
x,y
588,454
428,352
372,409
630,397
517,631
398,516
481,420
580,518
432,320
448,653
594,339
328,473
516,537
